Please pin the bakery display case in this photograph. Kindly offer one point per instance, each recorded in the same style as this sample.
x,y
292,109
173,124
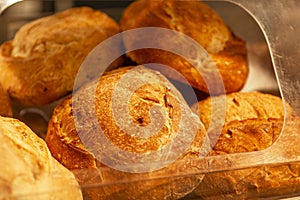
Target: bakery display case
x,y
249,146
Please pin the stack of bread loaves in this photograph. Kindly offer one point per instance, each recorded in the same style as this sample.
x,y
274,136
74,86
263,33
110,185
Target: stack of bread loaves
x,y
38,67
129,133
71,141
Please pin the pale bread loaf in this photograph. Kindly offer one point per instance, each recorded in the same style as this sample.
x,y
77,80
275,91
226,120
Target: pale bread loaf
x,y
28,171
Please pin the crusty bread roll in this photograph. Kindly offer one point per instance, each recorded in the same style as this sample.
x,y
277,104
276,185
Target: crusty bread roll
x,y
240,106
253,122
104,181
28,171
266,181
199,22
40,64
5,104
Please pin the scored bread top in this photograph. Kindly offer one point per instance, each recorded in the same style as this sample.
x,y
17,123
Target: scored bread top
x,y
158,91
240,106
67,142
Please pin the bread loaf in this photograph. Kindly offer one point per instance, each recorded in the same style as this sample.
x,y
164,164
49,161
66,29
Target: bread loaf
x,y
267,181
40,64
199,22
5,104
154,180
241,106
253,122
28,171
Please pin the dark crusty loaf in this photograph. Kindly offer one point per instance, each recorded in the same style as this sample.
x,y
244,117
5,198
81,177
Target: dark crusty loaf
x,y
199,22
28,171
40,64
253,122
67,146
5,104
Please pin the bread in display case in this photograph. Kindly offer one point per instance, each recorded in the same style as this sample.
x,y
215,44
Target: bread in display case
x,y
239,143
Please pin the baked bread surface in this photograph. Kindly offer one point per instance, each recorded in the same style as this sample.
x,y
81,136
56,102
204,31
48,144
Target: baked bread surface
x,y
241,106
28,171
5,103
253,122
198,21
40,64
66,145
264,181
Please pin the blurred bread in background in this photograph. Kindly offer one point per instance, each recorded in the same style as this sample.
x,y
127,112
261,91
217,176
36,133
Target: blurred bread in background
x,y
39,65
202,24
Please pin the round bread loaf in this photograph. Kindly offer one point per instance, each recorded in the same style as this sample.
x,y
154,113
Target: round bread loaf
x,y
28,171
198,21
40,64
5,104
253,122
70,141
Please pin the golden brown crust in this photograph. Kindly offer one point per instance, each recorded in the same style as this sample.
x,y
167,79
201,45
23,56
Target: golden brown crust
x,y
63,139
248,123
27,167
40,64
201,23
265,181
241,106
5,104
253,122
